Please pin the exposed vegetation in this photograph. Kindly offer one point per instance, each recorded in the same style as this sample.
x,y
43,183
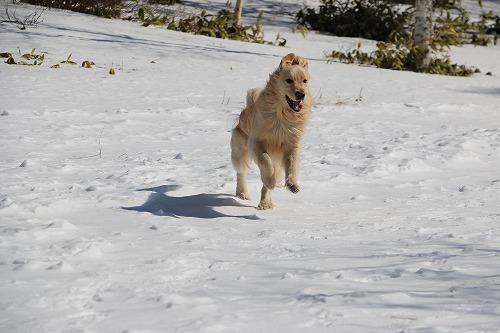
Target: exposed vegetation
x,y
222,25
401,56
25,59
388,20
103,8
163,2
391,24
35,58
374,19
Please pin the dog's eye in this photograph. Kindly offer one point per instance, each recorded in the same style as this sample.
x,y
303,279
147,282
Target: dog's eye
x,y
305,81
289,81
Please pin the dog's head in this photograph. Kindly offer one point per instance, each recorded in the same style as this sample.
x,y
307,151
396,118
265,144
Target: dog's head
x,y
293,79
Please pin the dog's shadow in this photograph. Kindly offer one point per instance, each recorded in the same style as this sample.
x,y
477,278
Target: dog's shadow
x,y
199,205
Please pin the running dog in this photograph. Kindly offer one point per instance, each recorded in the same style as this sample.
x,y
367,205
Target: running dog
x,y
270,129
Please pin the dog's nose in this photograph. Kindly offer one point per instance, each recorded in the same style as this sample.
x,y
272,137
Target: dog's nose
x,y
299,95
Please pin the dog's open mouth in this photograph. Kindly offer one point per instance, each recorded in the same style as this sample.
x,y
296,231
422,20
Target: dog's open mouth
x,y
294,105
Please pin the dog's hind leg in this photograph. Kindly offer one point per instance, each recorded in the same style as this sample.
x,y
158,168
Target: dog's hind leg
x,y
240,159
291,161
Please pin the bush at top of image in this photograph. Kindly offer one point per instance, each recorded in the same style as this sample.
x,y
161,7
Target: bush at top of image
x,y
371,19
103,8
163,2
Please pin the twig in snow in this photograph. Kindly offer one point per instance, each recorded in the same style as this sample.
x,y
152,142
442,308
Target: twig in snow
x,y
224,102
360,97
96,155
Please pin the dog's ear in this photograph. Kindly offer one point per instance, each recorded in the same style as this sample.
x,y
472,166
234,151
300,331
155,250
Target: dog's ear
x,y
291,59
301,62
287,60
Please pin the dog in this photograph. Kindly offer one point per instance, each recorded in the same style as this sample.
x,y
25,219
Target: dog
x,y
270,129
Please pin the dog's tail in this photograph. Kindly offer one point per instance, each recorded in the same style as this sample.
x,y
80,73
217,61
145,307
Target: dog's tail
x,y
252,95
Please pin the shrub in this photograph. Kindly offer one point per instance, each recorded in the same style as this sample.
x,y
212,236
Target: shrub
x,y
163,2
371,19
384,20
103,8
402,56
488,26
391,24
222,25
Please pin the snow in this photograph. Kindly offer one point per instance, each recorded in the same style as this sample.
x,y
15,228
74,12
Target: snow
x,y
117,211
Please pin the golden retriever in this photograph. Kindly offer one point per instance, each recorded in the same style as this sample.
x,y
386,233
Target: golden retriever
x,y
270,129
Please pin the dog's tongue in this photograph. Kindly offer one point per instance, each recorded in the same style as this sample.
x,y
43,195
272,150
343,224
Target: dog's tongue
x,y
297,105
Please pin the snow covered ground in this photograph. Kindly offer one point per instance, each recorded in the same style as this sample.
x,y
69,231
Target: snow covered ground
x,y
117,211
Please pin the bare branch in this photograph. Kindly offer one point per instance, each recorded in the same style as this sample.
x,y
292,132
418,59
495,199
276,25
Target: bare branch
x,y
32,20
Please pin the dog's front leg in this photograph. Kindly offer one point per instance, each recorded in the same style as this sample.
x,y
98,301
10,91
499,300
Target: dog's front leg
x,y
265,164
268,178
291,160
267,174
265,198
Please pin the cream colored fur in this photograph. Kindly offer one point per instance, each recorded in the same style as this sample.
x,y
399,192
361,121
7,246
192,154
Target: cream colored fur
x,y
269,130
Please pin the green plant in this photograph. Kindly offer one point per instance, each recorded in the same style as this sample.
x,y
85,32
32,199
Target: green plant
x,y
30,59
486,30
300,28
453,25
402,55
392,27
371,19
68,60
384,20
34,58
147,17
88,64
222,25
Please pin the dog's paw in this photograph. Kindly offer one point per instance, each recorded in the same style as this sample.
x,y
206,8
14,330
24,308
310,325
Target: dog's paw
x,y
294,188
265,204
243,196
